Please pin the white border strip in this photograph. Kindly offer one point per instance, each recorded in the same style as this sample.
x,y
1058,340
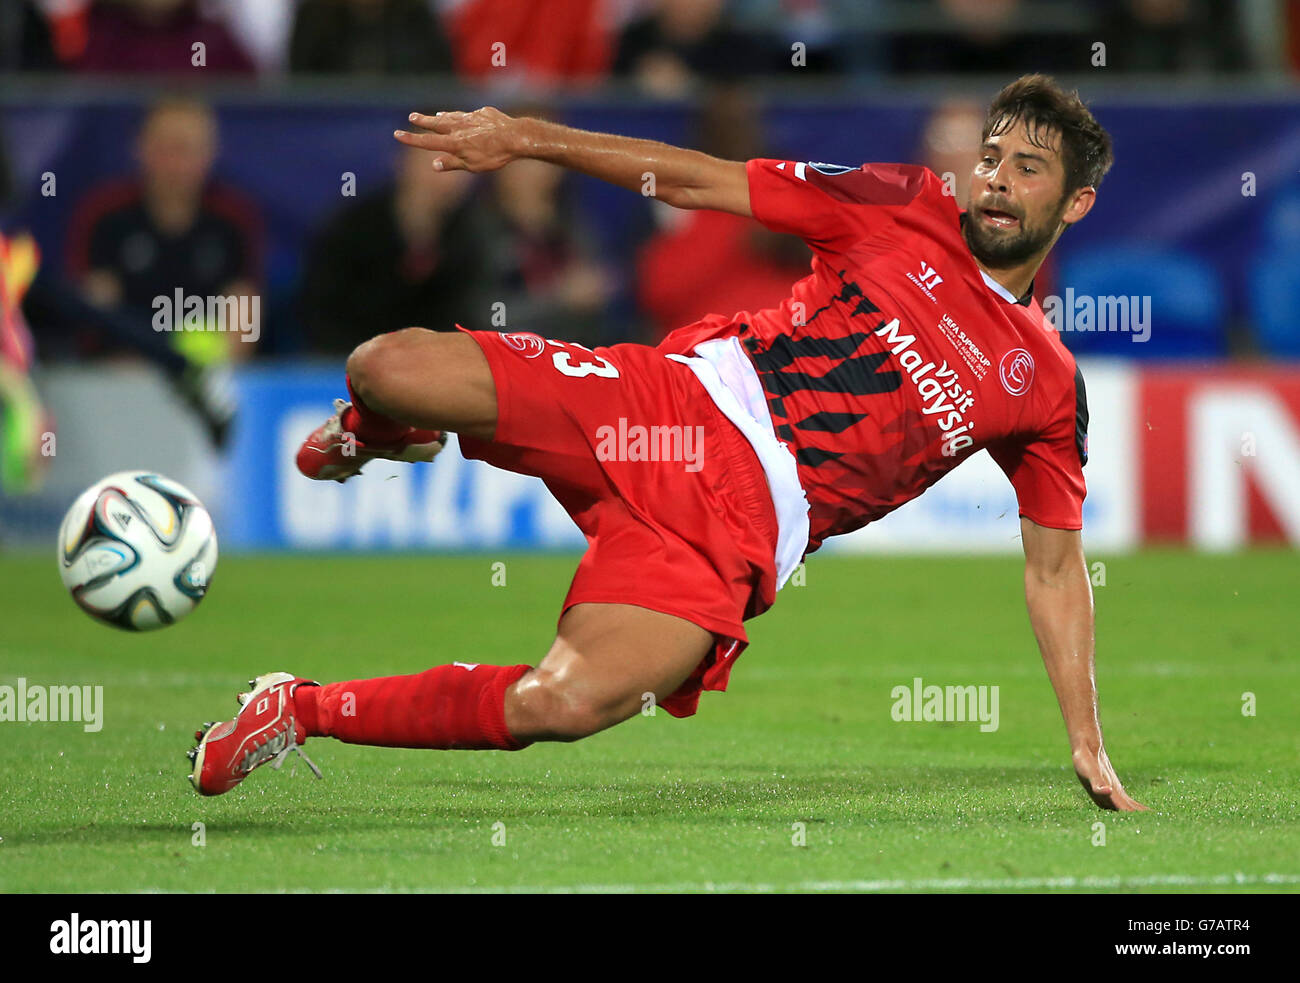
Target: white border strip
x,y
846,887
923,885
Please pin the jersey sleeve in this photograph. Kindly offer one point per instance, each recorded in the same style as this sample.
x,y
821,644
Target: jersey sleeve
x,y
830,206
1047,472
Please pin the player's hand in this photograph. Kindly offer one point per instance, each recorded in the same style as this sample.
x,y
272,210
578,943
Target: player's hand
x,y
1100,781
483,140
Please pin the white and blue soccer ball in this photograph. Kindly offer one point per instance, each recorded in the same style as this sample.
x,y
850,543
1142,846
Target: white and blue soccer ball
x,y
137,550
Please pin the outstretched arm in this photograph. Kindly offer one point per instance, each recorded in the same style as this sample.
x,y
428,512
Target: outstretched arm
x,y
1059,595
487,139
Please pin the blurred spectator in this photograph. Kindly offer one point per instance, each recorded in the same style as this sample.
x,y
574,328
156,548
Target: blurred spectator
x,y
32,295
376,37
158,37
835,35
707,262
549,277
1175,36
26,42
262,28
989,37
950,143
170,228
415,253
538,42
682,42
23,418
1292,28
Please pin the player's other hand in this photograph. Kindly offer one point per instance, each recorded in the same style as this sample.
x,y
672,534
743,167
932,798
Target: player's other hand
x,y
1100,781
483,140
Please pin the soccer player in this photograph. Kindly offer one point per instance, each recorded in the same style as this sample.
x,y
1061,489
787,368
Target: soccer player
x,y
703,470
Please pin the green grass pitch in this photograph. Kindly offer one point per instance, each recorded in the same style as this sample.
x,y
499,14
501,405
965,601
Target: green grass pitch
x,y
804,736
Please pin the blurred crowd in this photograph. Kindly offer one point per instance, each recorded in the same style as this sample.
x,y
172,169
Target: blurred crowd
x,y
512,249
660,46
509,249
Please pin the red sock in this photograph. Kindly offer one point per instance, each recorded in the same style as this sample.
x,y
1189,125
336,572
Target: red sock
x,y
455,706
368,425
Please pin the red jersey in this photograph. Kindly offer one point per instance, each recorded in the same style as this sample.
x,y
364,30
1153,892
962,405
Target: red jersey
x,y
896,359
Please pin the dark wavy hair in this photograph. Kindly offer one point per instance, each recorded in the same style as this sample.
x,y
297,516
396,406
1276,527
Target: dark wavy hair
x,y
1047,110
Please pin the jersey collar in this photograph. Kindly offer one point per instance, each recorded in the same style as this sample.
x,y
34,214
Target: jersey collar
x,y
1024,300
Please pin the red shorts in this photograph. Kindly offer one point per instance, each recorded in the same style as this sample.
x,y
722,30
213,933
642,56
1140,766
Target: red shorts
x,y
670,495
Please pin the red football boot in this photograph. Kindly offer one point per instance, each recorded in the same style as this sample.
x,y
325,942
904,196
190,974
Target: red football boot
x,y
331,453
265,730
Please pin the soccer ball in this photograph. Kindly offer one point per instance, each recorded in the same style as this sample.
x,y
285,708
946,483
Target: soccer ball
x,y
137,550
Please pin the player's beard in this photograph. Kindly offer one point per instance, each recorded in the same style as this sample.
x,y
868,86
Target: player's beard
x,y
999,250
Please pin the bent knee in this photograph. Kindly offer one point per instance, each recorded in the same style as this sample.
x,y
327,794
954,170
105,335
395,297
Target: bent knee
x,y
549,708
384,357
438,380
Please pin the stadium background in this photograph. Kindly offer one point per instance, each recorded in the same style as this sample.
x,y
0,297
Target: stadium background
x,y
1201,215
1195,444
